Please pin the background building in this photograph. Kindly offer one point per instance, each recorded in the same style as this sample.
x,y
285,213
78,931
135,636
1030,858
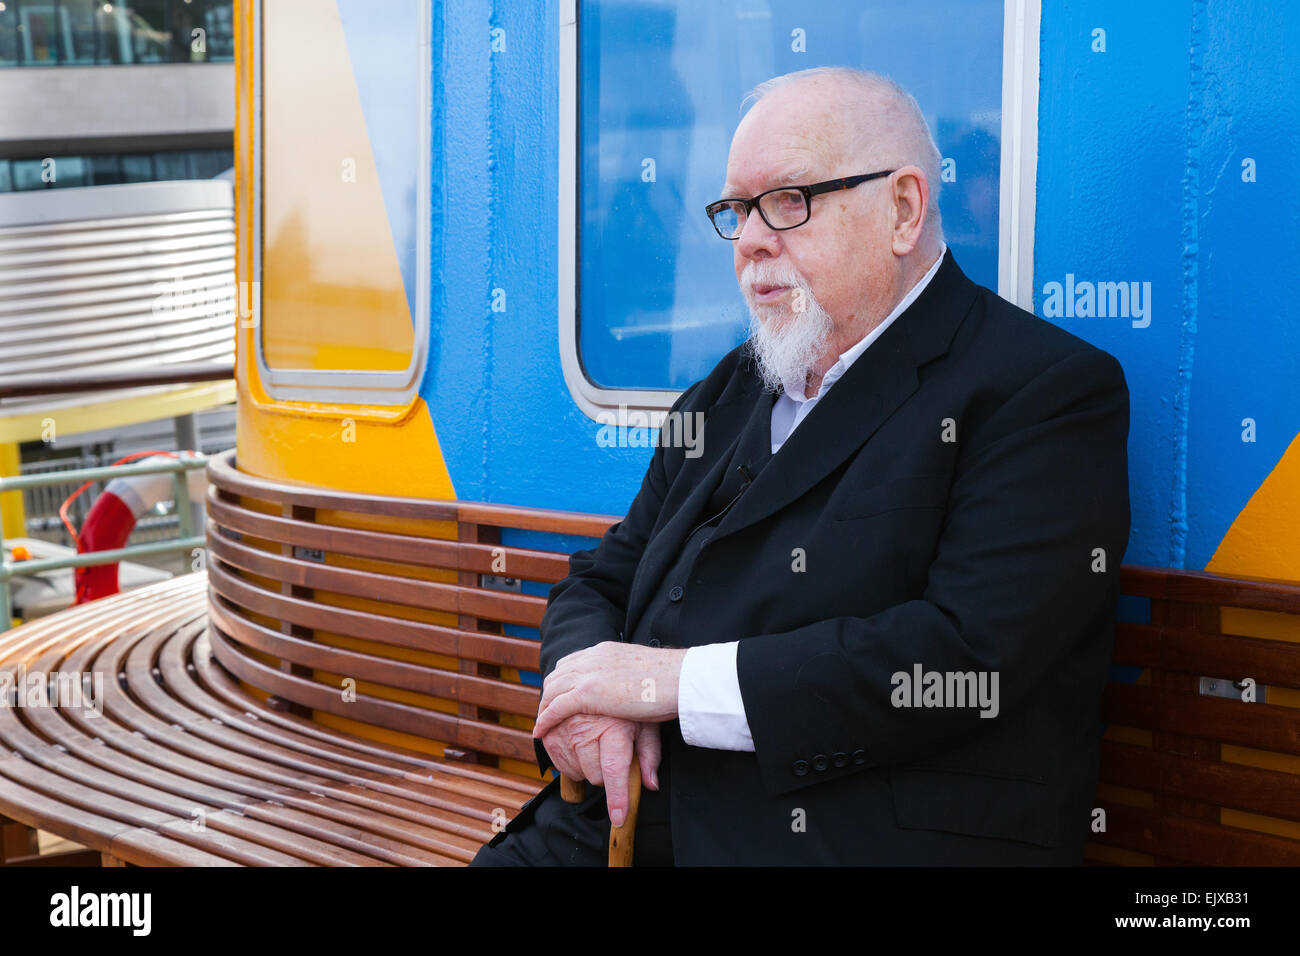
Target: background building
x,y
96,95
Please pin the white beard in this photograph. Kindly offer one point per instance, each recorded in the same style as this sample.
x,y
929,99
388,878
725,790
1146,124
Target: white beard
x,y
784,343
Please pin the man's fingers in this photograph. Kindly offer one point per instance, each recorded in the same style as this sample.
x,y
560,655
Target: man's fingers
x,y
559,681
551,688
562,755
615,758
559,710
589,759
649,749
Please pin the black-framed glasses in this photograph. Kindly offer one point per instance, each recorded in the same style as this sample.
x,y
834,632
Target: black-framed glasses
x,y
784,207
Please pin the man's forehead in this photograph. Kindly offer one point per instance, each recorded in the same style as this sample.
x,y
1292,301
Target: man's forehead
x,y
764,176
764,157
789,134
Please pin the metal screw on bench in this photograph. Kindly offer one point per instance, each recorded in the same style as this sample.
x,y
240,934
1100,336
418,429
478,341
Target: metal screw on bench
x,y
621,839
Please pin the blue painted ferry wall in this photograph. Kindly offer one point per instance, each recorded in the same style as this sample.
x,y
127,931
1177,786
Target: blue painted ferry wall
x,y
508,428
1140,177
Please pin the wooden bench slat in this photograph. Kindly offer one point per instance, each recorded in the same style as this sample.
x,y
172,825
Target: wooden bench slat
x,y
418,678
40,811
185,687
219,745
479,735
454,777
99,804
168,729
523,609
311,846
1193,842
413,849
1267,662
1263,726
503,650
544,566
232,739
1235,786
444,831
1203,588
91,787
147,848
223,473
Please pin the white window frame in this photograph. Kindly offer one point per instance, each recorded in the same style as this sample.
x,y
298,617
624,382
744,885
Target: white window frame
x,y
1020,39
348,386
1021,22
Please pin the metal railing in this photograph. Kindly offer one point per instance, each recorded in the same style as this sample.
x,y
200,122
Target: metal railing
x,y
188,539
41,504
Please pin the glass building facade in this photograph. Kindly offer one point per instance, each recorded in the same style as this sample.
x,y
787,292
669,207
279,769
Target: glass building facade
x,y
105,169
93,32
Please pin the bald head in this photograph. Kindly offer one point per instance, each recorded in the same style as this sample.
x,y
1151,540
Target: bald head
x,y
869,121
818,286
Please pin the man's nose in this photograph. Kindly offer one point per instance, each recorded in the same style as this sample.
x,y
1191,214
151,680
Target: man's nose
x,y
757,239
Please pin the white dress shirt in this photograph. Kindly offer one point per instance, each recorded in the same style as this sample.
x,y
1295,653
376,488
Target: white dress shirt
x,y
710,708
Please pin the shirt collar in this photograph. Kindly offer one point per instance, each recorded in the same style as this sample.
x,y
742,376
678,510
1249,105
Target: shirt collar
x,y
848,357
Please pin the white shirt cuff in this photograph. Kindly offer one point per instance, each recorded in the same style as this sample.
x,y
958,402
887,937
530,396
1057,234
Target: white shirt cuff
x,y
709,706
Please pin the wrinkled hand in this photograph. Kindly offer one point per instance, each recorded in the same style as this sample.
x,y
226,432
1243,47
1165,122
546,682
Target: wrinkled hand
x,y
612,679
599,750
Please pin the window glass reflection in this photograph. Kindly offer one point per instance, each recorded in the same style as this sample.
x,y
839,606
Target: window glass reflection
x,y
659,90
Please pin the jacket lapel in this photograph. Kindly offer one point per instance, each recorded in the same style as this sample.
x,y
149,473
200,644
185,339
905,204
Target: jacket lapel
x,y
726,426
882,378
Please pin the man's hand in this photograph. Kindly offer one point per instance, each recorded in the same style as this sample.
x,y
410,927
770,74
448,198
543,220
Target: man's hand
x,y
612,679
599,749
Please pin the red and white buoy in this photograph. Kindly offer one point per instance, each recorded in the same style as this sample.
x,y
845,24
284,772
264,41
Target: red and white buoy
x,y
112,518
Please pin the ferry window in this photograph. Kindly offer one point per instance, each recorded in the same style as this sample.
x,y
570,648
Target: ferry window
x,y
342,182
659,90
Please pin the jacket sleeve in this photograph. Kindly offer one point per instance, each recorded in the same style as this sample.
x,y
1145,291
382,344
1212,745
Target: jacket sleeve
x,y
1012,589
589,606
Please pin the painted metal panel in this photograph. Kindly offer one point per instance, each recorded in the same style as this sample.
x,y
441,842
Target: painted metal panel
x,y
1168,158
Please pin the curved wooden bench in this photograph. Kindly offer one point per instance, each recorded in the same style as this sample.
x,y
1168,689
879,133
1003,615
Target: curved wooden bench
x,y
308,589
185,767
310,592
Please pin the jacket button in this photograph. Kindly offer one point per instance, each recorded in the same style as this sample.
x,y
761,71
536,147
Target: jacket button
x,y
859,757
819,763
675,594
839,759
800,768
654,642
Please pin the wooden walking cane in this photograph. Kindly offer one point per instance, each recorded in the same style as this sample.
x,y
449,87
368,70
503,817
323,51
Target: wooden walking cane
x,y
620,838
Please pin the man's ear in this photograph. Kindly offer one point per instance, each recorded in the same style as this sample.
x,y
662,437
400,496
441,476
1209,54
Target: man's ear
x,y
911,199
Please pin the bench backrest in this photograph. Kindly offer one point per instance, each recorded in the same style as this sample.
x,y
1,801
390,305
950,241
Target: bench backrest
x,y
383,612
1200,762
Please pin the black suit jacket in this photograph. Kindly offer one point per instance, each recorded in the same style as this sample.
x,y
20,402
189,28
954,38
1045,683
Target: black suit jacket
x,y
960,499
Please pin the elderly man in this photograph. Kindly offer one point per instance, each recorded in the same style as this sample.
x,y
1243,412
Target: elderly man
x,y
870,624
